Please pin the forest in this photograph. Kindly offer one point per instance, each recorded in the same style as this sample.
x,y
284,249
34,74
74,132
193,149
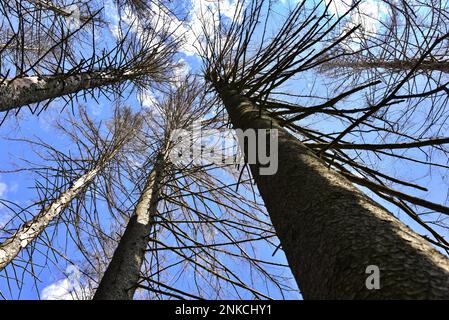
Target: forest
x,y
224,150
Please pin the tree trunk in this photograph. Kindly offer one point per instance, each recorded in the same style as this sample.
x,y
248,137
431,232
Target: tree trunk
x,y
395,65
12,246
123,272
27,90
331,232
48,5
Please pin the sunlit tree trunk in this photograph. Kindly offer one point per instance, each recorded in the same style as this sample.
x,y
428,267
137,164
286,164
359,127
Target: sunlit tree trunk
x,y
27,90
120,278
331,232
48,5
394,65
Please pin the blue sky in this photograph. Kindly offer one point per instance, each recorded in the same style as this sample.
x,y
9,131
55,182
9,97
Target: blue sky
x,y
56,279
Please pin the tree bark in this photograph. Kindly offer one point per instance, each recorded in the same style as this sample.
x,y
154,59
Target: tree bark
x,y
50,6
120,278
330,231
27,90
395,65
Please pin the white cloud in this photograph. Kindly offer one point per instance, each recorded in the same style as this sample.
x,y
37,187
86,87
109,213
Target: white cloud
x,y
205,15
59,290
202,13
339,7
135,162
367,14
5,217
66,289
147,99
178,29
182,70
125,17
113,18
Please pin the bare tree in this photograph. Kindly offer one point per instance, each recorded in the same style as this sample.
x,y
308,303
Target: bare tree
x,y
120,278
329,230
122,132
142,55
398,43
167,190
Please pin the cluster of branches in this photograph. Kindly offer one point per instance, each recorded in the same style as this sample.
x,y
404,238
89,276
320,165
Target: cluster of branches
x,y
408,46
201,229
263,64
74,56
141,223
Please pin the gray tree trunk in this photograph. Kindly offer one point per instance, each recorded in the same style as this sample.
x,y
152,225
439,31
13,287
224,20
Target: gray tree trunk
x,y
123,272
27,90
395,65
52,7
331,232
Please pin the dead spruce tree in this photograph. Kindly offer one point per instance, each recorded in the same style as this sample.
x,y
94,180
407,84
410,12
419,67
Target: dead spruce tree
x,y
46,55
73,182
397,44
330,231
176,205
391,44
120,278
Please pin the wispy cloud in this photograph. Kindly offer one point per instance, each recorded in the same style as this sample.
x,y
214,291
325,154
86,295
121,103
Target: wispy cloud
x,y
112,16
203,14
367,15
147,99
182,70
69,288
5,215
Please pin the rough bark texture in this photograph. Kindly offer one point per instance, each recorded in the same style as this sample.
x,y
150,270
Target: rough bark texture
x,y
11,247
395,65
27,90
50,6
330,231
123,272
